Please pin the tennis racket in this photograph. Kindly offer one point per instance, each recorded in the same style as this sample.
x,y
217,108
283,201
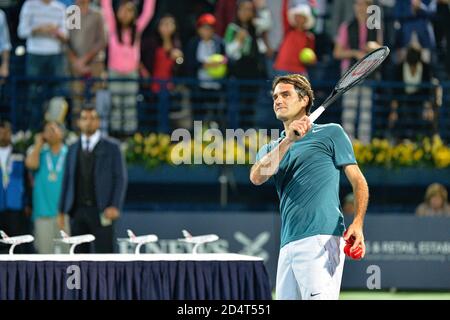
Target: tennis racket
x,y
353,76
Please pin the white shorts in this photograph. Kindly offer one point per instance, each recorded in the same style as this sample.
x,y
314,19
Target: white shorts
x,y
311,269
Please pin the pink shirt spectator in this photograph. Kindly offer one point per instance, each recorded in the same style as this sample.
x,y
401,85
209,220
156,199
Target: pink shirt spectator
x,y
124,57
342,39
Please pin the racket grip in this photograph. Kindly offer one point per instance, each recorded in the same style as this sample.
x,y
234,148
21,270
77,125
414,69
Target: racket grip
x,y
313,116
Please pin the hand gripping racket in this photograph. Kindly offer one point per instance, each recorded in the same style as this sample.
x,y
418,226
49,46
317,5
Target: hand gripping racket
x,y
353,76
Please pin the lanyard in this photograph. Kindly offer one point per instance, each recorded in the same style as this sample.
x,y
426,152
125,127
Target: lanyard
x,y
59,163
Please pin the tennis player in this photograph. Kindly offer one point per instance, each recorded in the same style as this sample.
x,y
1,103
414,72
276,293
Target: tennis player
x,y
306,170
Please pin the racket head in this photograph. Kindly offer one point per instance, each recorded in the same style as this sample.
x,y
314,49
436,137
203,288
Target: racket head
x,y
361,69
353,76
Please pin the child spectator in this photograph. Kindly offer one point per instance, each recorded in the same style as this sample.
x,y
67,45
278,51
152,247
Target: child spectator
x,y
161,54
124,32
297,21
199,51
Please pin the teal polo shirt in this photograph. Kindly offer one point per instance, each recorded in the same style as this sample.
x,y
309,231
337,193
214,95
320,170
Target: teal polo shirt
x,y
46,191
307,182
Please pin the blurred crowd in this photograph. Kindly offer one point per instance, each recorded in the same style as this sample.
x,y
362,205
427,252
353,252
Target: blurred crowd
x,y
210,40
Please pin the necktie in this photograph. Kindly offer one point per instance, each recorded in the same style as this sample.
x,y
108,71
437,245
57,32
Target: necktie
x,y
87,145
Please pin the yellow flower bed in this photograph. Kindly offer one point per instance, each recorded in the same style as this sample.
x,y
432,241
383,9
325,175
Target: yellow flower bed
x,y
156,149
426,153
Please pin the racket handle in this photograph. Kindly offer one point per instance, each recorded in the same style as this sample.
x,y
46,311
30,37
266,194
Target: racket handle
x,y
313,116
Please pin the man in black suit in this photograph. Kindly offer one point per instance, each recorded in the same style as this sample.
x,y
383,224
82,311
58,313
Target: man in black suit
x,y
94,184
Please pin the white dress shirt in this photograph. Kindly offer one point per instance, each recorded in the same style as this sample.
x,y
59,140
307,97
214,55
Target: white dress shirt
x,y
93,140
4,155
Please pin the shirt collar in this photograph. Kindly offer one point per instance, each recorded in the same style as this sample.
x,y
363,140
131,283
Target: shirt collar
x,y
283,133
93,140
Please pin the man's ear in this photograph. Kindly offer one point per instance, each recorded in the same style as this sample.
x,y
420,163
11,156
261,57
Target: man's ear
x,y
305,100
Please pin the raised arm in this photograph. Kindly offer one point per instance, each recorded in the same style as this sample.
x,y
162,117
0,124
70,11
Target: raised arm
x,y
32,161
361,192
108,14
268,165
147,13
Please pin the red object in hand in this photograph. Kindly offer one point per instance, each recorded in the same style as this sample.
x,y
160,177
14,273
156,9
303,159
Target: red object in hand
x,y
357,253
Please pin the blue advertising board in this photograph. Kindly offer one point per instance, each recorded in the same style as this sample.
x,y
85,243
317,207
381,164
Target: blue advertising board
x,y
407,252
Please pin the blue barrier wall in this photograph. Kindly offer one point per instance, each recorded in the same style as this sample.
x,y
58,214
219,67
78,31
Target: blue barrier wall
x,y
411,252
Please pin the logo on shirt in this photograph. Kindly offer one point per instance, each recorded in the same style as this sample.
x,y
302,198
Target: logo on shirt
x,y
73,18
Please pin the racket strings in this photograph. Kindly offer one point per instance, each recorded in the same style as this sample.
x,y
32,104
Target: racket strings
x,y
362,68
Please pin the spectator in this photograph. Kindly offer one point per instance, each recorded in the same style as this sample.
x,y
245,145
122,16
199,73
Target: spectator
x,y
86,52
348,207
46,159
161,54
94,184
413,17
124,32
200,49
297,21
436,202
5,46
42,23
411,111
353,42
14,191
246,61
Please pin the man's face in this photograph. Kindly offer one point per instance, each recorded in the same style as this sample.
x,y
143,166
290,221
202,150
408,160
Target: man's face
x,y
52,133
5,137
89,122
286,102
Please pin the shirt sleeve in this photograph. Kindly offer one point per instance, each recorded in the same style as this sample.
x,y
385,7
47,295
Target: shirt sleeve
x,y
232,46
108,15
146,15
5,43
265,149
25,27
343,149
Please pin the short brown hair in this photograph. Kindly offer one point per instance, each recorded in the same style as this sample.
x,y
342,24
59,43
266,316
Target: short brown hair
x,y
436,189
301,85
